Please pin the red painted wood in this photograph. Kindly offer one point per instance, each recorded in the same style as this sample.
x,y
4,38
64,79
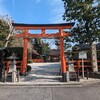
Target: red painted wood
x,y
43,34
25,49
62,55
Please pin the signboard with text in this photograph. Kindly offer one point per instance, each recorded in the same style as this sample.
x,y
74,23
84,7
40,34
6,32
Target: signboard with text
x,y
82,55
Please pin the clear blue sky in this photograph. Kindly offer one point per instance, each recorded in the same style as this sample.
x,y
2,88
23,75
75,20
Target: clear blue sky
x,y
33,11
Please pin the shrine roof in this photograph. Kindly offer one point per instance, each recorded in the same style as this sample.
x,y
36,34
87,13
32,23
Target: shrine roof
x,y
29,26
34,25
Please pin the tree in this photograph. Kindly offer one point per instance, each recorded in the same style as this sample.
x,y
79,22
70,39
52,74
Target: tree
x,y
86,14
41,47
38,45
67,44
6,30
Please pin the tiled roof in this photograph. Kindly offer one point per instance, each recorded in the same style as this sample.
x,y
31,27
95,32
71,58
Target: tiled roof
x,y
54,52
84,46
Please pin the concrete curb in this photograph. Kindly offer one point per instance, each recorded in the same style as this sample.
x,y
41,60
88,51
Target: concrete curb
x,y
83,82
40,84
50,84
90,83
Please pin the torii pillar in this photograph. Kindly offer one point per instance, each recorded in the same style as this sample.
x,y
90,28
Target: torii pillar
x,y
25,50
62,57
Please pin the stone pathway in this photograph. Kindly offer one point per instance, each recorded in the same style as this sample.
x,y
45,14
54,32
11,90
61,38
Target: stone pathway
x,y
43,72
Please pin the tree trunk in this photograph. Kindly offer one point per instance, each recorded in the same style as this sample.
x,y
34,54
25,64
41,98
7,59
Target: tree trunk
x,y
7,39
6,44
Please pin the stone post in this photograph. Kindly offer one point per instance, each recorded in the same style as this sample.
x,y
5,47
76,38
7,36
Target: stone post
x,y
94,58
13,70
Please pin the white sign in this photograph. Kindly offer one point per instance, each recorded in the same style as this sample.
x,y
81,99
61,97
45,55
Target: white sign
x,y
82,55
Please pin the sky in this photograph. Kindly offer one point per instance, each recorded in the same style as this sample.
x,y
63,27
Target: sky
x,y
33,11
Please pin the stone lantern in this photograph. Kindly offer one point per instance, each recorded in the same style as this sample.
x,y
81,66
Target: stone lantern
x,y
13,58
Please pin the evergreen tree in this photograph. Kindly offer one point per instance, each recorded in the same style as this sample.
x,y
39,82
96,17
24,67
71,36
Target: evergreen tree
x,y
86,15
41,47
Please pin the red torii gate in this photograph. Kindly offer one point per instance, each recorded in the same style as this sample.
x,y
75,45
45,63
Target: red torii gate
x,y
43,28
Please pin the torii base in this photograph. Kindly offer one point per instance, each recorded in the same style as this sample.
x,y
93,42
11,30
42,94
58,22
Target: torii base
x,y
64,77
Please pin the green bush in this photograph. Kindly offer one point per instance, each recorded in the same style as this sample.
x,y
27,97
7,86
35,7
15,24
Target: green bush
x,y
30,61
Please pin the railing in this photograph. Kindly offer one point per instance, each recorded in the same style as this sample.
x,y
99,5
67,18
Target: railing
x,y
87,64
38,60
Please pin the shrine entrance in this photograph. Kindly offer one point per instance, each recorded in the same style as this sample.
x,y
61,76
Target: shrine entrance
x,y
43,27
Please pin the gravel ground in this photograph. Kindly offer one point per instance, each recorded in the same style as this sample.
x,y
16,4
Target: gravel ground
x,y
43,72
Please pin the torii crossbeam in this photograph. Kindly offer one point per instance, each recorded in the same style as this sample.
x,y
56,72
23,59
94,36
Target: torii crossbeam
x,y
43,34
